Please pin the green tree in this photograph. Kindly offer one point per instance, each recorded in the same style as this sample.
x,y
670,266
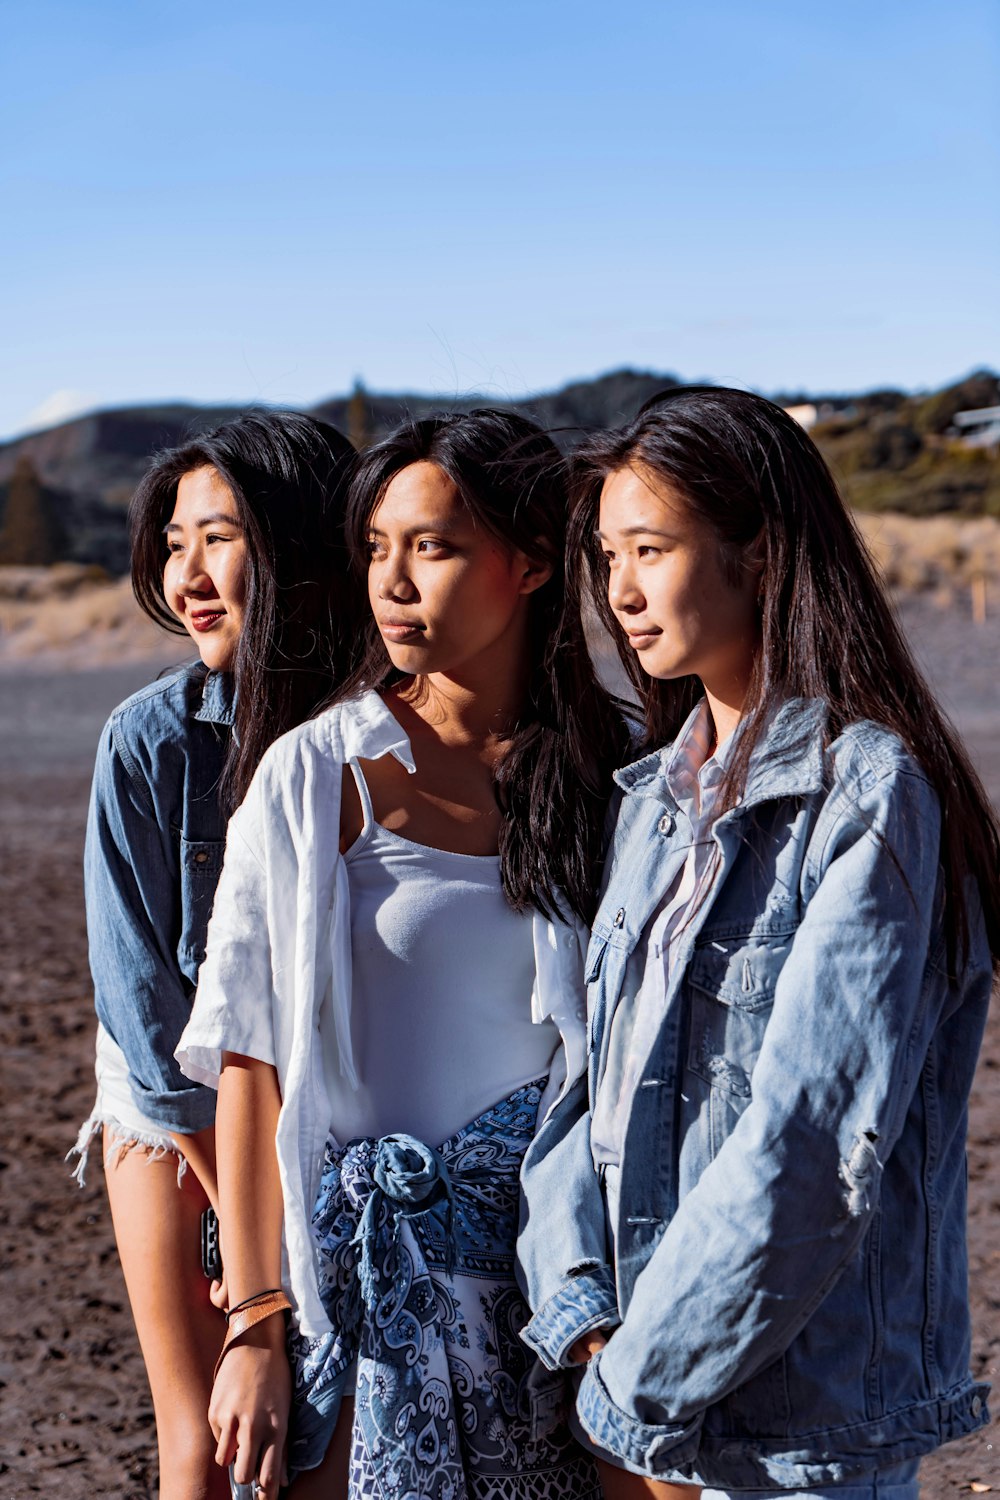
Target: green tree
x,y
32,535
359,423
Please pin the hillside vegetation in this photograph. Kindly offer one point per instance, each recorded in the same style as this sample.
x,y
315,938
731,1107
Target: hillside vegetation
x,y
893,452
64,491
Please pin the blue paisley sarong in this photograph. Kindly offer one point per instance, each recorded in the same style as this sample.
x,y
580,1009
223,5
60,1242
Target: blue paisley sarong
x,y
416,1256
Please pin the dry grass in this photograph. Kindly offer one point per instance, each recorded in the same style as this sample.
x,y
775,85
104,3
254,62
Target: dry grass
x,y
75,616
72,615
943,557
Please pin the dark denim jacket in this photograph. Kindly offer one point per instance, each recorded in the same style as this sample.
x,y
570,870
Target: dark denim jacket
x,y
790,1262
155,839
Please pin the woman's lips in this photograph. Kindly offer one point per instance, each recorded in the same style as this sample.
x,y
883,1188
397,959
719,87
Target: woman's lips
x,y
640,639
207,619
399,630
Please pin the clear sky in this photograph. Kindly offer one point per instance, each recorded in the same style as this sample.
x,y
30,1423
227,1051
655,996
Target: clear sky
x,y
220,201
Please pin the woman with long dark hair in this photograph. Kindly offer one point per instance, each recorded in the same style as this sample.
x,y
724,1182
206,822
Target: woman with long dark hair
x,y
392,993
236,542
748,1219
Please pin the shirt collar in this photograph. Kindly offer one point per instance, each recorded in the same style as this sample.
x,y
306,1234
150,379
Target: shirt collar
x,y
369,730
787,761
217,699
690,771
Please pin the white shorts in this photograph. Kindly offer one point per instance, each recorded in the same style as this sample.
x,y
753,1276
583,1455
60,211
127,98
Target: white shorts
x,y
115,1112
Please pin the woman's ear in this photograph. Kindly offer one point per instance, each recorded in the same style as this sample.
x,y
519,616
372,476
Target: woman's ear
x,y
534,571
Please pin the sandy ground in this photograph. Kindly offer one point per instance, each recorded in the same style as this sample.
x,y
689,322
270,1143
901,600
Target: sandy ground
x,y
75,1415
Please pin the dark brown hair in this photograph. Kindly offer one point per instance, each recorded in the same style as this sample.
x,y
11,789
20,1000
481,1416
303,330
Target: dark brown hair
x,y
554,778
288,475
828,631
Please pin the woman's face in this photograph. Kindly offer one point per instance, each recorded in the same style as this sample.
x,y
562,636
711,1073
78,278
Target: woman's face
x,y
448,598
204,579
669,590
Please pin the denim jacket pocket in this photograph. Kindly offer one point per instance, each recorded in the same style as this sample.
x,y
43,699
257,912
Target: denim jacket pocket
x,y
740,971
201,864
731,983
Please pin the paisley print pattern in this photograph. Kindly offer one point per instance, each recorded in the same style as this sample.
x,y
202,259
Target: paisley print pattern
x,y
416,1252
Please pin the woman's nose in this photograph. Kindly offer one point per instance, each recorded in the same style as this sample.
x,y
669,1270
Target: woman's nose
x,y
193,577
623,592
393,581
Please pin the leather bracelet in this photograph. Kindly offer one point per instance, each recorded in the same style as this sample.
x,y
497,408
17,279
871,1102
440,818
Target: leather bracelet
x,y
242,1321
248,1301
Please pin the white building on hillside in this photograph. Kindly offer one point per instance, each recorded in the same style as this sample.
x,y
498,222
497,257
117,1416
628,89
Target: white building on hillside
x,y
979,428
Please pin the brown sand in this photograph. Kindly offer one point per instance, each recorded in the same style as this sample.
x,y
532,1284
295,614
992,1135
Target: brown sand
x,y
76,1415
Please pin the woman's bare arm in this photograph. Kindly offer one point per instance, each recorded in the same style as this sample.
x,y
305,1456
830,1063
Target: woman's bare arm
x,y
250,1400
198,1150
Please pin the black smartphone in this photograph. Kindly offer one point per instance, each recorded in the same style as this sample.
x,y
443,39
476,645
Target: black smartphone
x,y
211,1254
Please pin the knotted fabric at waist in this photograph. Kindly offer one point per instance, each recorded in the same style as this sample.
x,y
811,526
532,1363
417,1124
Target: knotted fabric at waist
x,y
386,1181
415,1255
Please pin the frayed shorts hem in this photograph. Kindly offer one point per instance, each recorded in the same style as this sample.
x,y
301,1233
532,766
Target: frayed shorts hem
x,y
119,1139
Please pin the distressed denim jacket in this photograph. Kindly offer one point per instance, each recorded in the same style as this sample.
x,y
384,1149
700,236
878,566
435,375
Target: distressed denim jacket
x,y
788,1294
155,840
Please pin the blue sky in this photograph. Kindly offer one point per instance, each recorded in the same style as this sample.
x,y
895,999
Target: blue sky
x,y
216,201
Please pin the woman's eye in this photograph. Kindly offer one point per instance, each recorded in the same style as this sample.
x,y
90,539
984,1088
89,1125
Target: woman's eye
x,y
429,544
646,551
173,548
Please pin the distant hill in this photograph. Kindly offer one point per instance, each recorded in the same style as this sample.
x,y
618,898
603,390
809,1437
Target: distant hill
x,y
895,452
890,450
90,466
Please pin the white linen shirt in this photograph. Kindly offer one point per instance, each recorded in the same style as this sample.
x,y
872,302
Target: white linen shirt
x,y
276,981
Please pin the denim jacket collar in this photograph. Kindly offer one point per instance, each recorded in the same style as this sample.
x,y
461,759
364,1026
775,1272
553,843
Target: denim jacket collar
x,y
217,700
787,761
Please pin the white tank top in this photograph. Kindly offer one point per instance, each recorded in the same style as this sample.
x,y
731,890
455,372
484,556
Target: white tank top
x,y
441,993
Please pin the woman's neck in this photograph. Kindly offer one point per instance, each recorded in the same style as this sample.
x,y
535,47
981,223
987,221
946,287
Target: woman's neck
x,y
456,712
726,709
479,702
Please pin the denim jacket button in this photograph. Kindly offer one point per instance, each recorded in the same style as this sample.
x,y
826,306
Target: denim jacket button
x,y
620,917
200,857
977,1405
666,823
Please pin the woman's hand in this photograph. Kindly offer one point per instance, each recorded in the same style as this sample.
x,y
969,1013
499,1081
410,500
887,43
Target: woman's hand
x,y
583,1351
248,1412
218,1293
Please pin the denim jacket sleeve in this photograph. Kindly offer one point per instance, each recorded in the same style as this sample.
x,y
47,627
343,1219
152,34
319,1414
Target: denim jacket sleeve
x,y
566,1276
756,1244
132,894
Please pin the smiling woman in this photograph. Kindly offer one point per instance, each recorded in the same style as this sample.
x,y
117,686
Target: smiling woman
x,y
204,580
236,540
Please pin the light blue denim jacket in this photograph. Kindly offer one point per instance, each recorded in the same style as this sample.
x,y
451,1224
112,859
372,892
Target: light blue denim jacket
x,y
790,1260
155,840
